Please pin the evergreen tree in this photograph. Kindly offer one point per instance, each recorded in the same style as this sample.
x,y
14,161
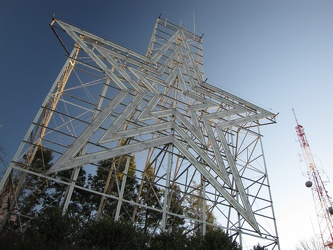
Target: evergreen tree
x,y
174,240
176,207
215,239
218,239
81,200
52,228
150,196
108,179
39,193
109,234
194,209
36,190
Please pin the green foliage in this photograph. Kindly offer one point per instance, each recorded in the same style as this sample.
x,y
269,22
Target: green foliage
x,y
151,195
259,247
50,229
16,241
108,179
53,228
177,207
217,239
194,209
81,200
212,240
170,240
36,189
39,192
109,234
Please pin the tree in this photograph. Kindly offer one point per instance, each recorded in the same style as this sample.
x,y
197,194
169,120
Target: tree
x,y
170,240
176,206
39,193
311,244
81,200
150,196
108,179
259,247
52,228
218,239
2,158
194,209
109,234
215,239
35,191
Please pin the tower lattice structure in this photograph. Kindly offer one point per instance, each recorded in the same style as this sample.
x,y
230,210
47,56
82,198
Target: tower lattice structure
x,y
189,139
321,198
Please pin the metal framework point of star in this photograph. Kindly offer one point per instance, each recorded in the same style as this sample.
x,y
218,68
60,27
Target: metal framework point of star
x,y
188,138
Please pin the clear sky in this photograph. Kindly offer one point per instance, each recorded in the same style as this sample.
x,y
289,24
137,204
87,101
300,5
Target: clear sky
x,y
276,54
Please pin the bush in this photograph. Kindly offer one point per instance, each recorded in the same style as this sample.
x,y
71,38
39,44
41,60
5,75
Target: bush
x,y
109,234
169,240
215,239
218,239
52,228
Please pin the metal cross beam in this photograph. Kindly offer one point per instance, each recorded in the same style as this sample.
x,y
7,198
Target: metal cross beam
x,y
188,137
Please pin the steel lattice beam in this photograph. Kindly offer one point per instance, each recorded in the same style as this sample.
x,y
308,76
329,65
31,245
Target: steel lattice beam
x,y
190,134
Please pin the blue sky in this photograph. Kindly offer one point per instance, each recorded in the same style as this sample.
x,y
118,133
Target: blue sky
x,y
276,54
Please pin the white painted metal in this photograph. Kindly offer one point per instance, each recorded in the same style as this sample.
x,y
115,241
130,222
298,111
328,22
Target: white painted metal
x,y
121,194
180,129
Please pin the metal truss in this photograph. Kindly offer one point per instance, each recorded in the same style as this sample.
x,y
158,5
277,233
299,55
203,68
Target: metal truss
x,y
186,135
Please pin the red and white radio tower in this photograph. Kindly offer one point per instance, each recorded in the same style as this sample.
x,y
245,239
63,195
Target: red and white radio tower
x,y
322,201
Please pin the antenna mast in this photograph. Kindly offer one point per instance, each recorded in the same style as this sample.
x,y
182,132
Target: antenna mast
x,y
322,201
